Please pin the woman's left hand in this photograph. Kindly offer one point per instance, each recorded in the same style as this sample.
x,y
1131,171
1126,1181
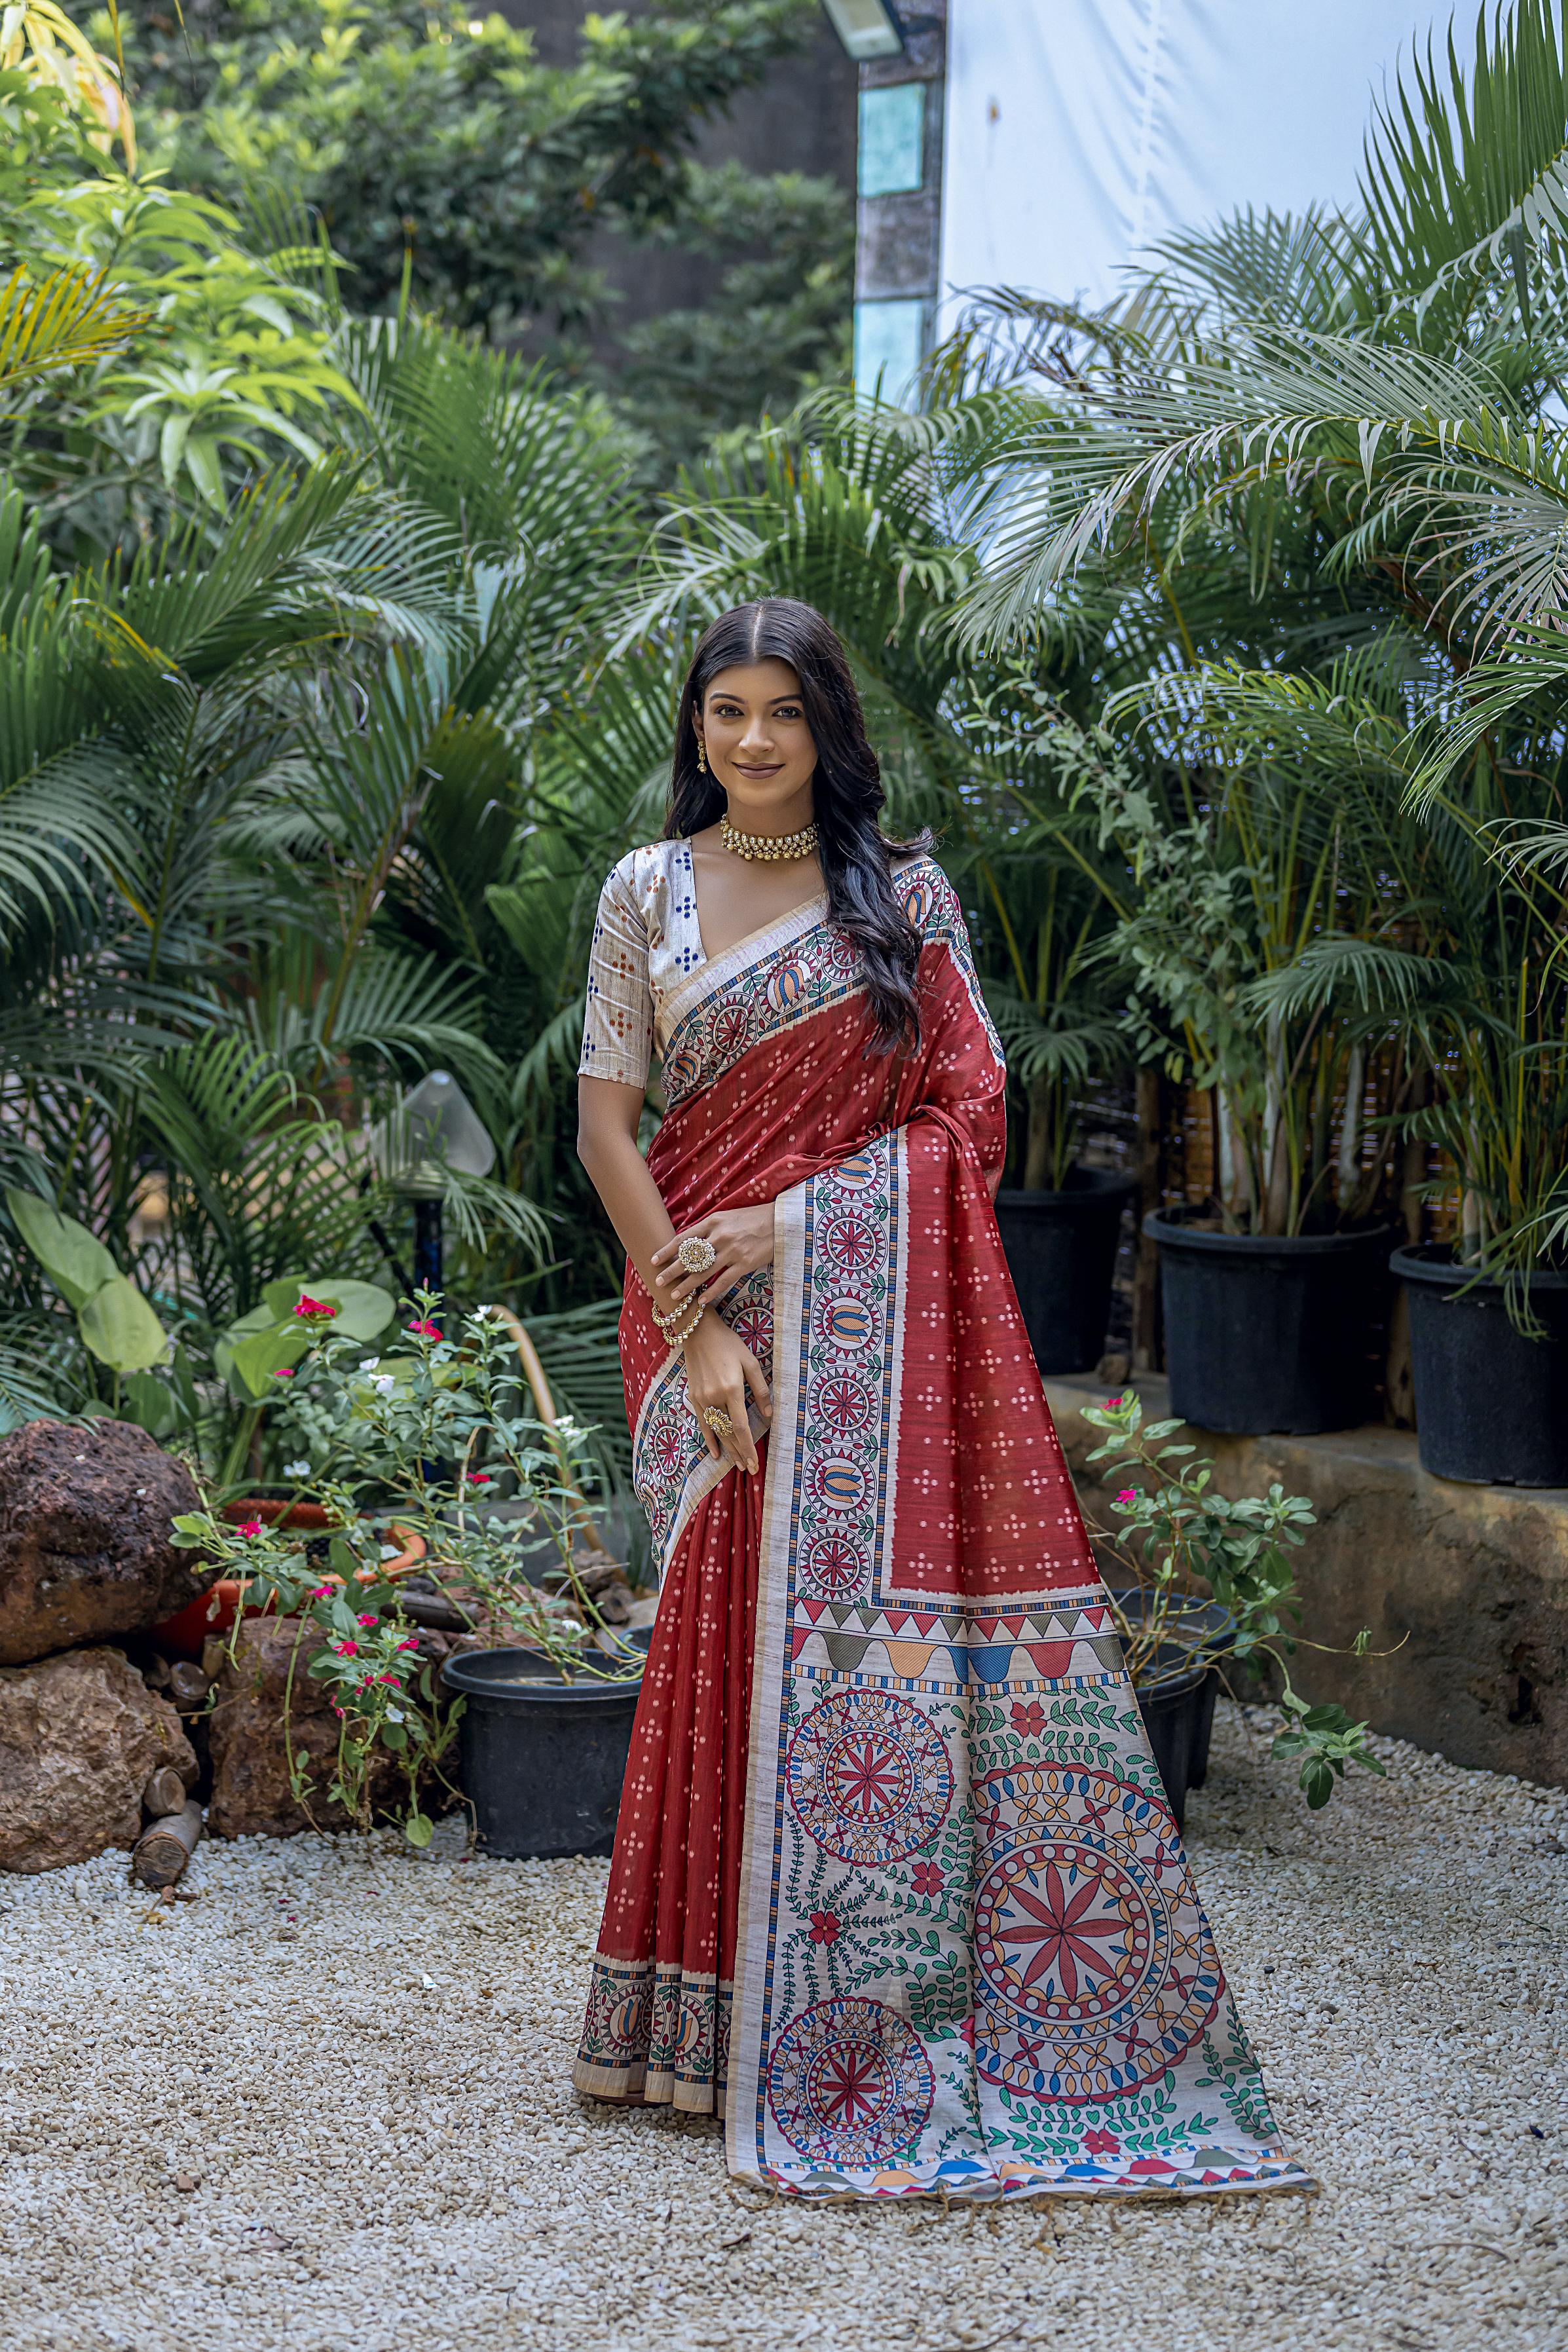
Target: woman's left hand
x,y
743,1240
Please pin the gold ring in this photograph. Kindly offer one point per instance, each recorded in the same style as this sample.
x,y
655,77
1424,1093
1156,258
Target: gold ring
x,y
696,1254
717,1420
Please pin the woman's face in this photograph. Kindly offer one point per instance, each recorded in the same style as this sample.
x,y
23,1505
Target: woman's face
x,y
752,728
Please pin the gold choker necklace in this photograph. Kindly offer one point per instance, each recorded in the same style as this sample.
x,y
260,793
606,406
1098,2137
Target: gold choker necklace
x,y
768,845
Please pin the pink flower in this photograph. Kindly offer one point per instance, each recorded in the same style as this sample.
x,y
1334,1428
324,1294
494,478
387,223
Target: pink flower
x,y
926,1878
251,1527
480,1478
321,1591
424,1330
313,1310
338,1711
369,1618
386,1678
1030,1719
284,1373
346,1648
1128,1495
1102,2143
1112,1403
409,1641
825,1928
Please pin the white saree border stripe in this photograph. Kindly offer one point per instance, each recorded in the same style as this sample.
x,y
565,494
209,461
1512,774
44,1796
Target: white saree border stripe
x,y
770,1661
971,1961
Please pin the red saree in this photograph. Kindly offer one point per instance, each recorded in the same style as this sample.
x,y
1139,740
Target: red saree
x,y
895,1886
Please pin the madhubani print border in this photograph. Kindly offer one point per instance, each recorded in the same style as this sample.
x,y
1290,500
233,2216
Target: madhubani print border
x,y
673,1469
802,974
1020,1667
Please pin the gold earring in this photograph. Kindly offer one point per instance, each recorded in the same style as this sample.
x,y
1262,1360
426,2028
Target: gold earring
x,y
702,757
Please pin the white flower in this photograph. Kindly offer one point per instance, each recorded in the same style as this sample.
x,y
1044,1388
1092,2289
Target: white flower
x,y
384,1383
370,1363
295,1469
482,1312
392,1551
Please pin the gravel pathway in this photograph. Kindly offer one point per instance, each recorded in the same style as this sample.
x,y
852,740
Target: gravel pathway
x,y
360,2058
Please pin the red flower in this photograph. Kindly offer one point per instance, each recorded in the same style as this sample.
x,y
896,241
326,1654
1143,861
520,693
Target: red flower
x,y
346,1648
386,1678
313,1310
1102,2143
1112,1403
321,1591
1029,1719
825,1929
409,1641
926,1878
480,1478
251,1527
369,1618
424,1330
284,1373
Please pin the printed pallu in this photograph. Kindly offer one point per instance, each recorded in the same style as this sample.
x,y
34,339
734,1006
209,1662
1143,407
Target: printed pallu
x,y
895,1886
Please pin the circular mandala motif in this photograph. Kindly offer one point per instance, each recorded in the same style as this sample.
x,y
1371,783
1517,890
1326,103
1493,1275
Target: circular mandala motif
x,y
840,1483
843,956
841,1402
850,1242
786,986
849,1322
849,2084
732,1028
834,1568
868,1777
1095,1969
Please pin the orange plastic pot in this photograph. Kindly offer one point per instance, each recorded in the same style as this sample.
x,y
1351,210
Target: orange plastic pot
x,y
214,1611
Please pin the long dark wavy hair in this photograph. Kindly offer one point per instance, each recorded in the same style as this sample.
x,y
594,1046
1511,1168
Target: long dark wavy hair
x,y
847,794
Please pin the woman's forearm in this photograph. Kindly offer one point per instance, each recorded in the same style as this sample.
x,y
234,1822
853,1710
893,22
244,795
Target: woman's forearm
x,y
632,1201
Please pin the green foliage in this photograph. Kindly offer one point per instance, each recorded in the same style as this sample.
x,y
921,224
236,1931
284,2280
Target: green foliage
x,y
423,133
1181,1543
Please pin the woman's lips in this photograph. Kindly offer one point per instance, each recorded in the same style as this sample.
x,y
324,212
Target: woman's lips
x,y
743,769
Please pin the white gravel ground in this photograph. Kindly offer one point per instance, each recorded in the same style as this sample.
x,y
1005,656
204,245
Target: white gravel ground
x,y
363,2054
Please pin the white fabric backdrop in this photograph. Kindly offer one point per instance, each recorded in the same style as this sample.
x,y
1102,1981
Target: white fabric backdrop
x,y
1078,131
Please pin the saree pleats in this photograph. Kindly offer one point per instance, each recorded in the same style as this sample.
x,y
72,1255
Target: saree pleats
x,y
658,2027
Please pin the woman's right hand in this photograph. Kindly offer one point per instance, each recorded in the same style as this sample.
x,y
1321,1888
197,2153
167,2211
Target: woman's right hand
x,y
721,1371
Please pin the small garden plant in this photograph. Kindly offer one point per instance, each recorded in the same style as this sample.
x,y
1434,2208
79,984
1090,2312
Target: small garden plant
x,y
1182,1544
408,1453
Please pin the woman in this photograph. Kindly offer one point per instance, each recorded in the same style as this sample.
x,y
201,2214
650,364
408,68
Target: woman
x,y
895,1887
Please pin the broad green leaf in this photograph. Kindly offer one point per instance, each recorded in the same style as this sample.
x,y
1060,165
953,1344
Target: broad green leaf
x,y
265,1353
150,1403
418,1829
75,1260
363,1308
121,1328
280,1298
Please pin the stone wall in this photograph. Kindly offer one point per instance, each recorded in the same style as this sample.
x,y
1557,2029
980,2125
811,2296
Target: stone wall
x,y
1470,1582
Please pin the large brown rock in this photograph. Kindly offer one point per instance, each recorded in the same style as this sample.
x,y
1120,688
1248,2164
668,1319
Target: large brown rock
x,y
85,1552
80,1735
251,1796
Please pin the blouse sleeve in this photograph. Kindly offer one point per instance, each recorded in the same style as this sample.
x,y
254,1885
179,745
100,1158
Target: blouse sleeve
x,y
617,1032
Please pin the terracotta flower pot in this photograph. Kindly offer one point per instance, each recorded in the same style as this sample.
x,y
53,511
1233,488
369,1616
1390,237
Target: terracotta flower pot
x,y
214,1611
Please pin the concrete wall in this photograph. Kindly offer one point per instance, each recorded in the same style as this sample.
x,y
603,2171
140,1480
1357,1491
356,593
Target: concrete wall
x,y
1466,1586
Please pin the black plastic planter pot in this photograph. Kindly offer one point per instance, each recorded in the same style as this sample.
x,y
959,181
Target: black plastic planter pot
x,y
1061,1253
1268,1334
543,1760
1178,1715
1185,1626
1491,1406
